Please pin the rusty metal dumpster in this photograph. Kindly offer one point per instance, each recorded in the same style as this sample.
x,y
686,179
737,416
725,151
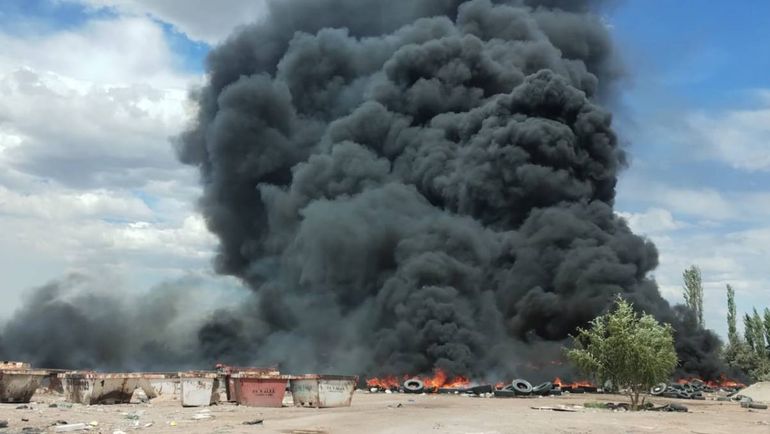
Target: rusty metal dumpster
x,y
230,383
255,389
322,391
157,384
19,385
198,388
7,365
100,388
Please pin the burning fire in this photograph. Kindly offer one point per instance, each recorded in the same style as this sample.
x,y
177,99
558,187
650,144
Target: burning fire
x,y
390,382
438,380
577,384
721,382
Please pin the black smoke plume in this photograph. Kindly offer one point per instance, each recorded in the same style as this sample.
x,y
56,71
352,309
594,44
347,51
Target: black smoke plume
x,y
405,185
410,185
86,322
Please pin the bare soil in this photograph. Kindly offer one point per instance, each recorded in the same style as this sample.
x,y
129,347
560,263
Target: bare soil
x,y
391,413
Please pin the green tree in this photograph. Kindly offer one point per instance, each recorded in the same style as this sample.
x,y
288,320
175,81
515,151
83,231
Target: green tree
x,y
633,352
767,326
748,331
732,331
759,333
693,292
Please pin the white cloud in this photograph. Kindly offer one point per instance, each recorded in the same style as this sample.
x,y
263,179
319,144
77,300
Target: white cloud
x,y
59,206
706,206
200,20
79,132
652,221
741,138
104,51
737,256
88,178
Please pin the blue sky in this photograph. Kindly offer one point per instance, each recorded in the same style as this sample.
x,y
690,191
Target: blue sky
x,y
694,113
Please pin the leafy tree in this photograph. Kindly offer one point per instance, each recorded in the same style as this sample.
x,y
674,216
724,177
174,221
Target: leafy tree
x,y
693,292
759,333
748,331
767,325
633,352
743,357
732,331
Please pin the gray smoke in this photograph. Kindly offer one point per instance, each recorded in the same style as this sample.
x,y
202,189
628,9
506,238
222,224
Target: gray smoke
x,y
410,185
405,185
87,322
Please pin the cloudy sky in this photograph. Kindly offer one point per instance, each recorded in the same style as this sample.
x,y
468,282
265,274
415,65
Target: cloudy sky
x,y
91,91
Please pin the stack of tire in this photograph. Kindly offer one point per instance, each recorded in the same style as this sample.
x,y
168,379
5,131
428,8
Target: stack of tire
x,y
691,390
520,387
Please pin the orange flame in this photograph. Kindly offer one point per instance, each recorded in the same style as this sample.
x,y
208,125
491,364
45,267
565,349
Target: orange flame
x,y
390,382
721,382
576,384
438,380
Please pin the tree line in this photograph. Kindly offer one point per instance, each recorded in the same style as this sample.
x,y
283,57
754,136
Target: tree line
x,y
749,353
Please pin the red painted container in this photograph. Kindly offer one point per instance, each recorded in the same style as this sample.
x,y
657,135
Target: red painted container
x,y
227,371
258,390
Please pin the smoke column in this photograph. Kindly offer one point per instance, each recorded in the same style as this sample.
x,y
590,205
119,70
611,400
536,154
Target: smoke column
x,y
404,185
410,185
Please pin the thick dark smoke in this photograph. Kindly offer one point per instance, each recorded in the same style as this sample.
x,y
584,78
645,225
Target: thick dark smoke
x,y
79,322
410,185
405,185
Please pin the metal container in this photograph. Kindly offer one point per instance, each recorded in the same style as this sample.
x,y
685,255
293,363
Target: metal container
x,y
19,385
157,384
14,366
198,388
100,388
322,391
226,380
258,390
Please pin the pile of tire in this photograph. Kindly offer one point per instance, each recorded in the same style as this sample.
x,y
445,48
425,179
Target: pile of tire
x,y
521,387
691,390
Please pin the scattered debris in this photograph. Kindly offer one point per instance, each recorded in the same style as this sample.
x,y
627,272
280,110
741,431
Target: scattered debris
x,y
758,392
747,402
673,407
568,408
3,424
22,407
253,422
70,427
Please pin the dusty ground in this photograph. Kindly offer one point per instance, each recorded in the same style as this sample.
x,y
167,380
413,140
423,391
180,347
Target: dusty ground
x,y
392,413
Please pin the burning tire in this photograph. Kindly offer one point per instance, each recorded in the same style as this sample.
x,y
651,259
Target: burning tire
x,y
521,387
542,388
413,386
659,389
480,390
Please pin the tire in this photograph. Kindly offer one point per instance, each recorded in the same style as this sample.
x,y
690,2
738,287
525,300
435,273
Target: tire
x,y
521,387
542,388
504,393
683,394
678,407
659,389
414,386
480,390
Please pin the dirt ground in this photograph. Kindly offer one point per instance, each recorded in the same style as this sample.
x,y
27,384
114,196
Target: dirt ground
x,y
389,413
